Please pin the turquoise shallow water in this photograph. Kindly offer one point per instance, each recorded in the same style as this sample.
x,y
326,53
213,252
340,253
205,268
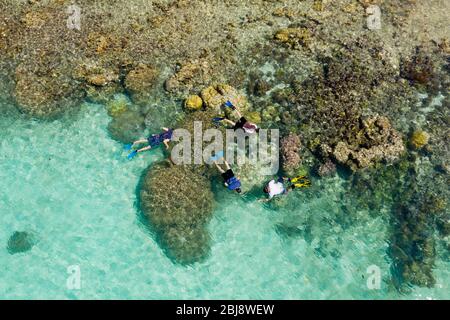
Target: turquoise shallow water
x,y
70,184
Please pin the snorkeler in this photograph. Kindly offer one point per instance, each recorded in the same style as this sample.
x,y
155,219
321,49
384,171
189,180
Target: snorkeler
x,y
153,141
242,123
231,181
276,188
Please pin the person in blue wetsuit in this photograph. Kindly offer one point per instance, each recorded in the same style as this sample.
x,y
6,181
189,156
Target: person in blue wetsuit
x,y
155,140
231,181
242,123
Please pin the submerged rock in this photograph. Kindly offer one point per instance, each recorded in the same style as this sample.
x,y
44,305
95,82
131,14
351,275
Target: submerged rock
x,y
186,245
326,169
294,38
44,93
374,141
290,153
191,75
118,105
20,241
140,81
178,217
127,126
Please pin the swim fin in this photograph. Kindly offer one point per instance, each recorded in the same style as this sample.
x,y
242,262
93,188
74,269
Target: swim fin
x,y
300,182
229,105
132,154
128,146
304,184
217,156
217,119
299,178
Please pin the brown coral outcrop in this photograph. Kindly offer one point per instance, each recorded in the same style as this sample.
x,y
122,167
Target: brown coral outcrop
x,y
375,141
290,157
140,81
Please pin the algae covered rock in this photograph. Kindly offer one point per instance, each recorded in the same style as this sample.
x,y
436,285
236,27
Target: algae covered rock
x,y
118,105
294,38
167,197
42,93
140,81
190,75
20,241
186,245
100,83
326,169
178,203
290,153
375,140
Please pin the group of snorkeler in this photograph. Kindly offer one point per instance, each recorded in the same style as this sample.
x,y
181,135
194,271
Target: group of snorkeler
x,y
275,187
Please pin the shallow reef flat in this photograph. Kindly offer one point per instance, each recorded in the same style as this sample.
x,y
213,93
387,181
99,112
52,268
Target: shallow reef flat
x,y
361,106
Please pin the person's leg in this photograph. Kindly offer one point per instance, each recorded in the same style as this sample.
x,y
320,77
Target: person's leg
x,y
144,149
238,112
229,122
226,164
139,141
218,167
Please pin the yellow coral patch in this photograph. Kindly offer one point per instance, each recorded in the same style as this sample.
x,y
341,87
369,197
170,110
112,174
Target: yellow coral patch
x,y
419,139
193,103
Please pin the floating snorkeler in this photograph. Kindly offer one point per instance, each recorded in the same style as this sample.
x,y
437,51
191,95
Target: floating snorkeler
x,y
231,181
278,187
153,141
242,123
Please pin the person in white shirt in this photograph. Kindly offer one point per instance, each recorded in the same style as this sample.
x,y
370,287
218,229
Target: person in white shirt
x,y
277,187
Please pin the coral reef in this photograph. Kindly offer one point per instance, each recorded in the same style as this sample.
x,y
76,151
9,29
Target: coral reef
x,y
326,169
190,75
374,141
186,245
140,81
20,241
290,157
118,105
419,69
419,139
178,218
294,38
42,91
416,211
215,96
304,73
193,103
413,244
